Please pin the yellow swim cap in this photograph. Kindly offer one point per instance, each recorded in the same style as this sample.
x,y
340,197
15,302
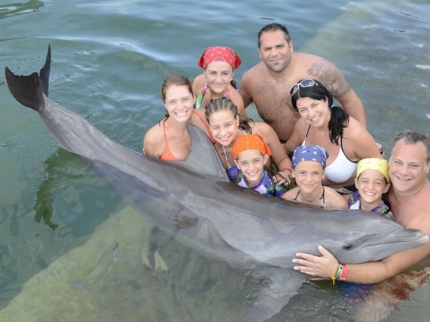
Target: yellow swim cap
x,y
380,165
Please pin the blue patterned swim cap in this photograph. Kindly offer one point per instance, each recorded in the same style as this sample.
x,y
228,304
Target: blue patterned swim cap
x,y
309,153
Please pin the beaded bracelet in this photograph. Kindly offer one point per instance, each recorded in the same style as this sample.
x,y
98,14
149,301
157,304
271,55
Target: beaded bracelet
x,y
341,273
334,276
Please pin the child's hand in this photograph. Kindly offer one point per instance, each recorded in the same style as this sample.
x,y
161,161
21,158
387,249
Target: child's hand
x,y
282,178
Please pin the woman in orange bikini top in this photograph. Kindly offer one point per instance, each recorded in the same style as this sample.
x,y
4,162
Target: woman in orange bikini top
x,y
169,140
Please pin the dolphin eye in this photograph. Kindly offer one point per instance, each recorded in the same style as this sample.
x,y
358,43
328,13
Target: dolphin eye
x,y
347,246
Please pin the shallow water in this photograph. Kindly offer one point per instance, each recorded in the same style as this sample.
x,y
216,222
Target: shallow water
x,y
109,59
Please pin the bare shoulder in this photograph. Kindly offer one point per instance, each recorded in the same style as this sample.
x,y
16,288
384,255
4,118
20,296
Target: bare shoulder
x,y
358,142
290,194
237,99
198,84
250,76
326,72
354,128
248,84
153,140
413,212
300,128
356,133
264,130
335,200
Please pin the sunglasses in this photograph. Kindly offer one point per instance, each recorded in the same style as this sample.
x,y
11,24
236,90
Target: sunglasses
x,y
304,83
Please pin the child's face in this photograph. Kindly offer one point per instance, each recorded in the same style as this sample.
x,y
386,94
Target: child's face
x,y
371,184
251,163
224,126
309,175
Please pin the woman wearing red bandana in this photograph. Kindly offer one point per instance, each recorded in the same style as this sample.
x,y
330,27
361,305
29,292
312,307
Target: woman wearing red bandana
x,y
218,65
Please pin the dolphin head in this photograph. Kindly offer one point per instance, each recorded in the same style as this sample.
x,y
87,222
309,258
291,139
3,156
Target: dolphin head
x,y
370,237
352,236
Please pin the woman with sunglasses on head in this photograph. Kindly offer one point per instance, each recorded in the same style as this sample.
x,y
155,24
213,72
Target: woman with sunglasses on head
x,y
218,64
322,123
226,125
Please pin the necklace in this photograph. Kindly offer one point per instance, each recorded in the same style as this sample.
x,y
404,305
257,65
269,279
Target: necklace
x,y
226,159
322,197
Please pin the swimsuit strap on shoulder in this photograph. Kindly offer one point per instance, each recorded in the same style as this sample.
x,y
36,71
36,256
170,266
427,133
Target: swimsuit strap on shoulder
x,y
323,198
205,89
227,91
226,159
200,96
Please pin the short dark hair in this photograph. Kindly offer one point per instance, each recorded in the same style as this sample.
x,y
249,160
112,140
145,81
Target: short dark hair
x,y
274,27
413,137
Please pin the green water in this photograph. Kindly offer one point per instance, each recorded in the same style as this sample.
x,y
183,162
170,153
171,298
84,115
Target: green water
x,y
109,59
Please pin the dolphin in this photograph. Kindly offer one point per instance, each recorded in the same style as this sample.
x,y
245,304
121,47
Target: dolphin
x,y
194,202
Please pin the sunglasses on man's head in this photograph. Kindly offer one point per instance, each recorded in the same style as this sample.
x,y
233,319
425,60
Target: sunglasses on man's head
x,y
304,83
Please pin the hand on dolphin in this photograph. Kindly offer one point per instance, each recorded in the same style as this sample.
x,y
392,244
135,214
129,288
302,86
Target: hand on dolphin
x,y
323,266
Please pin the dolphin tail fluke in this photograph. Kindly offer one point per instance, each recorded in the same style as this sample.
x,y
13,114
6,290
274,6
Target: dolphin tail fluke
x,y
29,90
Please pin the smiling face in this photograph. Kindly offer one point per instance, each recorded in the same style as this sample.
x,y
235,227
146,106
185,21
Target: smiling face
x,y
309,175
371,184
179,102
251,163
275,50
314,112
218,75
408,167
223,126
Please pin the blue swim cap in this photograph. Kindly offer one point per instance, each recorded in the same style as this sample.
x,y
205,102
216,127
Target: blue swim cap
x,y
309,153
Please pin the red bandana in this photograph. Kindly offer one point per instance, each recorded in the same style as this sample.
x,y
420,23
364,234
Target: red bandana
x,y
219,53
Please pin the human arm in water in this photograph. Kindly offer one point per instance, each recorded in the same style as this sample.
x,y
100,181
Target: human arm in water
x,y
244,89
371,272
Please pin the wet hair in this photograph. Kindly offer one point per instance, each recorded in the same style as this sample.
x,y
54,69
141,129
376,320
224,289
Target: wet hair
x,y
233,83
177,80
413,137
225,104
339,118
274,27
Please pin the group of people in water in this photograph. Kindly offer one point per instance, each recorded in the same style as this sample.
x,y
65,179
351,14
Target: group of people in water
x,y
330,147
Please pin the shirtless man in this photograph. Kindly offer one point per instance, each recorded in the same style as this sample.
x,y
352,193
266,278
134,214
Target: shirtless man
x,y
268,83
409,199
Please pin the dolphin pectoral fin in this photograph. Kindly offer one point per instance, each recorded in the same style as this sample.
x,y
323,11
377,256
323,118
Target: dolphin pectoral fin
x,y
272,299
203,158
29,90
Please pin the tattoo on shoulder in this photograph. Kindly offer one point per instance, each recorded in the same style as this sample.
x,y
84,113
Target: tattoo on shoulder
x,y
331,77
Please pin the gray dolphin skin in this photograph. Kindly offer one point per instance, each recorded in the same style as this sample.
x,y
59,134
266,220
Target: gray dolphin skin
x,y
194,202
